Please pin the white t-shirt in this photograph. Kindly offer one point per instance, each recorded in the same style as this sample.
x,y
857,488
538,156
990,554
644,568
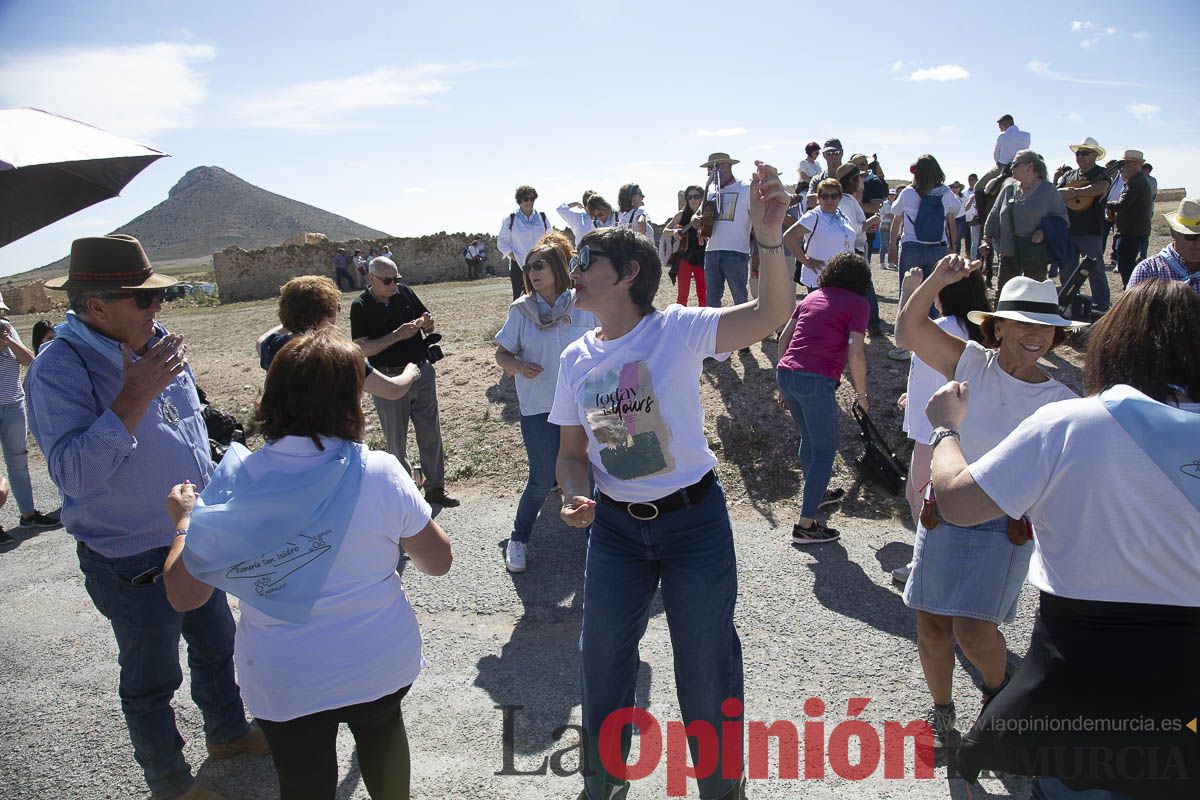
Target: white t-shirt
x,y
1108,524
807,170
999,402
923,381
577,219
638,400
630,219
908,203
541,346
731,230
288,670
828,235
971,212
853,211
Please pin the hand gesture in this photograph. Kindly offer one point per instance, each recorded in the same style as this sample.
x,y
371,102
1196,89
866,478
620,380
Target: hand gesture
x,y
912,279
411,372
902,401
948,406
180,502
1038,236
769,200
578,511
529,370
155,371
952,269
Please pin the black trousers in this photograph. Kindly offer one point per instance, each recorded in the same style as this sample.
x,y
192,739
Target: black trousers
x,y
1128,250
517,277
305,750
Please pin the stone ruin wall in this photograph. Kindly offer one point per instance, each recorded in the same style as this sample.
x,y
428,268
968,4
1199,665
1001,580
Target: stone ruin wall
x,y
258,274
32,298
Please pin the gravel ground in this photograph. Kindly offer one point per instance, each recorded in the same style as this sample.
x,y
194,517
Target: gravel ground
x,y
820,622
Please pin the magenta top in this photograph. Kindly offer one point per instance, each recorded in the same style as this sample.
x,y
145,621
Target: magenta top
x,y
824,321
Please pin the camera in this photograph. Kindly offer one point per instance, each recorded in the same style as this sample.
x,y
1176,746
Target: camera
x,y
433,348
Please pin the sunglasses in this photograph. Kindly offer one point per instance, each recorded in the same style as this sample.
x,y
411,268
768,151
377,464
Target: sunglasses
x,y
385,281
536,266
528,199
1084,153
143,298
583,259
828,196
695,197
1190,238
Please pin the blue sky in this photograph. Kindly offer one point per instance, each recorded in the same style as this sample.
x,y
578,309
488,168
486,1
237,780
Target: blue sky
x,y
415,118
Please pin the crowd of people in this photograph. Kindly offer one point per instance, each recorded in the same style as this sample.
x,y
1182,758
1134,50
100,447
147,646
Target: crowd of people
x,y
1094,499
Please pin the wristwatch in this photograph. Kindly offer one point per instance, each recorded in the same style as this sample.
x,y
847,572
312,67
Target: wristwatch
x,y
942,433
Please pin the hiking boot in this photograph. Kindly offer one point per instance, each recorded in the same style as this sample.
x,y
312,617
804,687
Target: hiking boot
x,y
439,497
514,556
814,534
941,721
831,497
253,743
37,520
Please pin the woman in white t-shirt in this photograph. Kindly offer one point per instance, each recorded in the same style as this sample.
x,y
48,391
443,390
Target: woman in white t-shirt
x,y
965,581
540,324
630,213
1111,483
628,403
920,240
820,233
954,303
307,533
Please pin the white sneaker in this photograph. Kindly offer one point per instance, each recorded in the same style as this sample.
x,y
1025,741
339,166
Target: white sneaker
x,y
900,574
514,556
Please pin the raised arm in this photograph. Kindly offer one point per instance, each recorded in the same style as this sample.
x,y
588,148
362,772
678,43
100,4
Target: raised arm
x,y
917,332
742,325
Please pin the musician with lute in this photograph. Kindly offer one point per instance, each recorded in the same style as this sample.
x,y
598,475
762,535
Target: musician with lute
x,y
1083,190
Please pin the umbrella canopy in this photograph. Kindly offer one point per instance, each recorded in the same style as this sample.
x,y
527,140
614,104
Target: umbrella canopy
x,y
51,167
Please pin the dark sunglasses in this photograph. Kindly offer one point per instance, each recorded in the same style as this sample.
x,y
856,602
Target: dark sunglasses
x,y
385,281
143,298
1188,237
536,266
583,259
1084,153
828,196
695,197
528,198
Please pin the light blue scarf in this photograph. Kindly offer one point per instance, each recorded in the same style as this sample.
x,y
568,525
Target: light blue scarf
x,y
1179,268
76,330
1168,435
271,541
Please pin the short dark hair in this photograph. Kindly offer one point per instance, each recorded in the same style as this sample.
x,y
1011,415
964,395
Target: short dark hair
x,y
622,245
812,147
1007,118
42,330
846,271
625,196
1149,340
308,302
289,406
524,190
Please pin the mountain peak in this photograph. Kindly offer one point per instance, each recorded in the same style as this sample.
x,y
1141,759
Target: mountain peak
x,y
198,176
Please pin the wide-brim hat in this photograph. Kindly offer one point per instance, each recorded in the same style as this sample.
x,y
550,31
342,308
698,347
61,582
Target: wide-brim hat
x,y
1026,300
1090,144
847,169
109,262
719,158
1187,219
1134,155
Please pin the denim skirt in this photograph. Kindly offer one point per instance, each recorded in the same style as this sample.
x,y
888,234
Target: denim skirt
x,y
973,572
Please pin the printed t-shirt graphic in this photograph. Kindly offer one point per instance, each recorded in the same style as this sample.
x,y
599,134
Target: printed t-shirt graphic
x,y
729,201
625,415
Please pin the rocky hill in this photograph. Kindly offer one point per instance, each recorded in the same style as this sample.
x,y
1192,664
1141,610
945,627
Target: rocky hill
x,y
210,209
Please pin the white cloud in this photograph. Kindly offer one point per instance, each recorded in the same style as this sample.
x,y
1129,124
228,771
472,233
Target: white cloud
x,y
897,66
1044,70
941,73
1145,112
1095,34
1075,117
138,91
1078,26
720,132
341,103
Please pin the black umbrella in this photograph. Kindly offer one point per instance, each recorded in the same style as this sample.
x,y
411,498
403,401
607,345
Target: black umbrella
x,y
52,166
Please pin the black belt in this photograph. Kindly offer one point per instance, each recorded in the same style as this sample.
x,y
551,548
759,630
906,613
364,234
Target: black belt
x,y
649,509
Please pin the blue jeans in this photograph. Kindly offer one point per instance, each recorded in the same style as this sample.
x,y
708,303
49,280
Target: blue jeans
x,y
1054,789
147,630
925,256
726,265
541,445
810,398
14,440
690,553
1092,247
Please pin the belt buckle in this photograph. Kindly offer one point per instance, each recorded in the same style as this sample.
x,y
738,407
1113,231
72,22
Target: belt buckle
x,y
654,508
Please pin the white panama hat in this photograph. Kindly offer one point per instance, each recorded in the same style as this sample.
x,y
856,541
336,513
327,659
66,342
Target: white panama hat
x,y
1026,300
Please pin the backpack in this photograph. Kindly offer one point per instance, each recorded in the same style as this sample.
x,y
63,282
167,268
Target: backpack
x,y
513,217
467,253
930,224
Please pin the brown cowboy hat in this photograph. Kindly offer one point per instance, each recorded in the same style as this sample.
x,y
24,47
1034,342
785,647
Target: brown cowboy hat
x,y
719,158
109,262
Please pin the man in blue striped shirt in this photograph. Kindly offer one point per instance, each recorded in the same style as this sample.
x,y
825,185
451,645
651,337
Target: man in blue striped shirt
x,y
113,406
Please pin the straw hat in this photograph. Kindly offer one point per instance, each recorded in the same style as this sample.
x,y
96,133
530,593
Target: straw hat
x,y
1026,300
719,158
1134,155
109,262
1187,219
846,169
1090,144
